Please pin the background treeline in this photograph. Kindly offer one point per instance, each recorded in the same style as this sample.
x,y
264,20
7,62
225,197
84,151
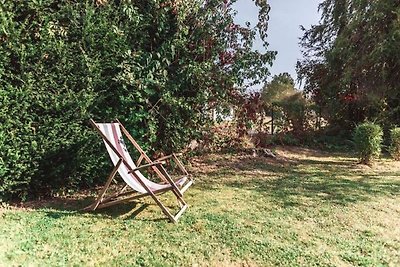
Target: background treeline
x,y
350,73
351,68
158,66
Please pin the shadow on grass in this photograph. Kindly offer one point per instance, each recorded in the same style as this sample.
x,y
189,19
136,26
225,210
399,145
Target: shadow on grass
x,y
304,181
288,182
296,190
59,207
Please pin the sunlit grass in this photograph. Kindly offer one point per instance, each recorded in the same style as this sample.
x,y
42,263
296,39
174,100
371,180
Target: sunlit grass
x,y
308,208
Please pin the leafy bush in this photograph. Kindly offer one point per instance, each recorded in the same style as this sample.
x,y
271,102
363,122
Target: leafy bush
x,y
144,62
368,139
223,137
395,143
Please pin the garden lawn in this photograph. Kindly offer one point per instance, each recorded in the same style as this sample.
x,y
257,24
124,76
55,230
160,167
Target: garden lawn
x,y
306,208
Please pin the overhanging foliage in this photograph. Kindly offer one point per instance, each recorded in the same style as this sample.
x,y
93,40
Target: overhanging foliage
x,y
352,63
156,65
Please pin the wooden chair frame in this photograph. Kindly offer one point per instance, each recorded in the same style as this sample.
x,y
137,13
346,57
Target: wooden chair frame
x,y
125,195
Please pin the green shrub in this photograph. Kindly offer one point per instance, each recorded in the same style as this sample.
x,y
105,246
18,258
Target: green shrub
x,y
368,138
394,148
144,62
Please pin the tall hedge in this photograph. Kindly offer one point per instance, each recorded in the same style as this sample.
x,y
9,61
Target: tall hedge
x,y
155,65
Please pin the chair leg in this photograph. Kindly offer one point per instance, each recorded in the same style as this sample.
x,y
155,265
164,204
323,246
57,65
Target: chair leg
x,y
176,190
180,212
104,189
183,189
164,209
174,218
180,165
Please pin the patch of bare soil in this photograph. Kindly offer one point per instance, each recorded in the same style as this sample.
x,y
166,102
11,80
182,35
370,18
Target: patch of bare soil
x,y
386,166
292,151
72,201
379,166
211,163
285,155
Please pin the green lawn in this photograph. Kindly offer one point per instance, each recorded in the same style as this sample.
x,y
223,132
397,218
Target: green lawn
x,y
308,208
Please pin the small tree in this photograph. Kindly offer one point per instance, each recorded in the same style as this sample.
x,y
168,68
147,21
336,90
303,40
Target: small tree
x,y
295,109
368,139
394,148
289,102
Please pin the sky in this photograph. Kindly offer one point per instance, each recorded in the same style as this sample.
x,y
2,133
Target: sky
x,y
284,32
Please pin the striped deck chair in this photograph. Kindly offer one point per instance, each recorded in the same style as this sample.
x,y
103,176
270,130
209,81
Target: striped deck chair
x,y
137,185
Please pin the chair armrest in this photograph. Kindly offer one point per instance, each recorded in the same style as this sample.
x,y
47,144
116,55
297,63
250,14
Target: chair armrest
x,y
174,157
168,156
155,163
